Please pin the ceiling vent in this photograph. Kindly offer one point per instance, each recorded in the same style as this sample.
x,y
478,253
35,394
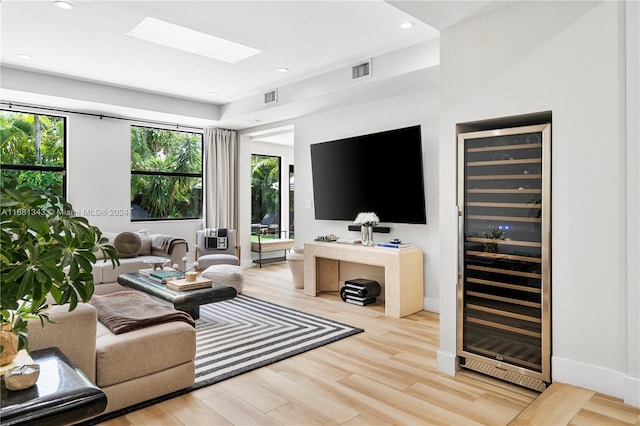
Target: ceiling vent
x,y
270,97
362,70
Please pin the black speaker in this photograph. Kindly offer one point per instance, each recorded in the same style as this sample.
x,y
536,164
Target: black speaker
x,y
381,229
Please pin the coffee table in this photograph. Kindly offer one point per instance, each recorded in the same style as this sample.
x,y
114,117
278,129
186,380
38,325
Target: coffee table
x,y
188,301
62,395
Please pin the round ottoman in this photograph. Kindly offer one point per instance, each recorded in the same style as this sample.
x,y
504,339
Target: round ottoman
x,y
230,275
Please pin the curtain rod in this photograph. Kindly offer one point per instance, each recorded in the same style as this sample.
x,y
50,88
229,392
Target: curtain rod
x,y
101,116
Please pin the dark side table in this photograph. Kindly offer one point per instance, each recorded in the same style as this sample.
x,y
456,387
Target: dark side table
x,y
63,394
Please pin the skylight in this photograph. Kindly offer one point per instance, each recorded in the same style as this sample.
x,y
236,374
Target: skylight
x,y
181,38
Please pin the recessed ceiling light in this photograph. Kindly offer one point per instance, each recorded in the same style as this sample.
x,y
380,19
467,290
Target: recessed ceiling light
x,y
188,40
406,25
24,56
212,93
63,5
283,69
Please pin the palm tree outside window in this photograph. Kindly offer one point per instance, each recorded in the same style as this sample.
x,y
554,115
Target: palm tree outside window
x,y
32,149
166,174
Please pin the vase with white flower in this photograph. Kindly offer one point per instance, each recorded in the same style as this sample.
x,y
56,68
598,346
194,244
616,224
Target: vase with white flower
x,y
367,220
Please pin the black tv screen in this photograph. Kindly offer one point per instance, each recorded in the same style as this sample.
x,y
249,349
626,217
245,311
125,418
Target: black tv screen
x,y
379,172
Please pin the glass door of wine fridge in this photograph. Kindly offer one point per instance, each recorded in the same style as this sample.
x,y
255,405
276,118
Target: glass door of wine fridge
x,y
504,282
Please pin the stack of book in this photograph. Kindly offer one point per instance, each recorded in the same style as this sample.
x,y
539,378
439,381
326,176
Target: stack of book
x,y
394,245
360,291
162,276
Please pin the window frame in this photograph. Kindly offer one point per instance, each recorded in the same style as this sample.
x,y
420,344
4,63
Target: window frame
x,y
169,174
35,168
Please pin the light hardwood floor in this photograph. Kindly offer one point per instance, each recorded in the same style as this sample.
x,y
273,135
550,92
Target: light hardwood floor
x,y
386,375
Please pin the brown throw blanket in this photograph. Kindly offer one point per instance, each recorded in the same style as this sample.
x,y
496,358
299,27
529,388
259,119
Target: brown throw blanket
x,y
131,310
166,243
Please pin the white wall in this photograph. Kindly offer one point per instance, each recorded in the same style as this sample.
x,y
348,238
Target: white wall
x,y
99,178
567,57
416,108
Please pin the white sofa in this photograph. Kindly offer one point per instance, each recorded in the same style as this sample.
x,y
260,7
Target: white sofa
x,y
105,276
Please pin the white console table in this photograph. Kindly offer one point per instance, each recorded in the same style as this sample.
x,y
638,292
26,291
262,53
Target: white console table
x,y
403,272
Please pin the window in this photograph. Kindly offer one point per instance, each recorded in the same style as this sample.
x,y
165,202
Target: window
x,y
166,174
32,149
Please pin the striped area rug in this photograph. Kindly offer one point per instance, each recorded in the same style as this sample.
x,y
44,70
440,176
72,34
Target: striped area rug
x,y
245,333
241,334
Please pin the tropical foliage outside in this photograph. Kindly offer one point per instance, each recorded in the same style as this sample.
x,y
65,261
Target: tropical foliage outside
x,y
166,174
265,182
32,150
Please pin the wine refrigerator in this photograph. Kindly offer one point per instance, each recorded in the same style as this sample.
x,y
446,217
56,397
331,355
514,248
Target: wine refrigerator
x,y
504,185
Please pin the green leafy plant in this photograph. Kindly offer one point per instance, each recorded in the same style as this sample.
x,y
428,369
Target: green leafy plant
x,y
46,254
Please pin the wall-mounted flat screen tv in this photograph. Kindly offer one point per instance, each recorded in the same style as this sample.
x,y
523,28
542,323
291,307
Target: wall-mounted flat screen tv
x,y
379,172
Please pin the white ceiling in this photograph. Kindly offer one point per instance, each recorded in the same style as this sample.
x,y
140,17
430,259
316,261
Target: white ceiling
x,y
310,38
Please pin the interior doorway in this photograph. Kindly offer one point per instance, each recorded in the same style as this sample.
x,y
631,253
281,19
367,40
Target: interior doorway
x,y
266,197
270,213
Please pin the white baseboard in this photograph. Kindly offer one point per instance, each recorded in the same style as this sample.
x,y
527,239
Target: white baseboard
x,y
447,363
598,379
432,305
632,391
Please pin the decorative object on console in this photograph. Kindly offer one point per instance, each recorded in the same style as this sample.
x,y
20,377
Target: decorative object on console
x,y
367,235
329,238
367,220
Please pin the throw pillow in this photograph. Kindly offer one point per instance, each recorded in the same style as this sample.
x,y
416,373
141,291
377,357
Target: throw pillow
x,y
127,244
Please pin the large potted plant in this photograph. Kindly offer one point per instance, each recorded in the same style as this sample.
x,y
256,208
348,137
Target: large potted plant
x,y
46,255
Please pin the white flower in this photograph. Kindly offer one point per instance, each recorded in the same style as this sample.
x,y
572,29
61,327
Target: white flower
x,y
367,219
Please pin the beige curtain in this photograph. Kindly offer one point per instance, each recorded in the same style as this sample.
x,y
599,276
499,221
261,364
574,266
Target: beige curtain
x,y
220,178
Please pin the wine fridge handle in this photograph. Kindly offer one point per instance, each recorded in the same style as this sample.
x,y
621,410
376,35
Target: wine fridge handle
x,y
460,244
